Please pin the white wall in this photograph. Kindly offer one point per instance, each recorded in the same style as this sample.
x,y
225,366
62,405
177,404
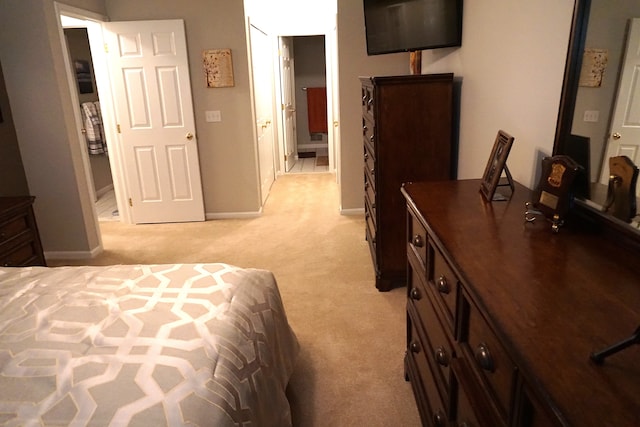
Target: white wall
x,y
40,97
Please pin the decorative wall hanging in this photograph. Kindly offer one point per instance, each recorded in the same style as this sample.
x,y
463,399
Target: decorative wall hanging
x,y
218,67
594,63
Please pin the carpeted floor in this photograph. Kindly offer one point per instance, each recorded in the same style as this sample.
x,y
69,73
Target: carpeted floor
x,y
350,371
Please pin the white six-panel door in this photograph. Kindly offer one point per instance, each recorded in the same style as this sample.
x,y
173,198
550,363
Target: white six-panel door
x,y
624,138
154,109
288,101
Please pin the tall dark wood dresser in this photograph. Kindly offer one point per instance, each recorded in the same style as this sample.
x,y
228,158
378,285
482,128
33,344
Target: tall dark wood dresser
x,y
503,315
19,239
407,127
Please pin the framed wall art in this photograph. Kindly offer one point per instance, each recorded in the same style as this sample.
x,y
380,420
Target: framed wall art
x,y
218,67
495,166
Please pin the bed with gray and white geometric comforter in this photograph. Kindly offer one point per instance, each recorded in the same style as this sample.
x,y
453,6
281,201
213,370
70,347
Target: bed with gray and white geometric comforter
x,y
147,345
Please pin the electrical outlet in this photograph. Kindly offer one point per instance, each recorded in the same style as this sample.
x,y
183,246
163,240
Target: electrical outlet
x,y
213,116
591,116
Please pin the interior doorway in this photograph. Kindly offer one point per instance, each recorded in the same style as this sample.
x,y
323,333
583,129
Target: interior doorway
x,y
309,90
77,39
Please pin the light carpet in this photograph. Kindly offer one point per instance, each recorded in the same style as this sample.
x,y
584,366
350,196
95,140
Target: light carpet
x,y
352,337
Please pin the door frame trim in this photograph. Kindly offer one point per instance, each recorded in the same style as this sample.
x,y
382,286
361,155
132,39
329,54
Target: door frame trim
x,y
103,83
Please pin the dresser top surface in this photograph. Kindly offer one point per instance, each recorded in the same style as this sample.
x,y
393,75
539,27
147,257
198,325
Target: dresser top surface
x,y
553,299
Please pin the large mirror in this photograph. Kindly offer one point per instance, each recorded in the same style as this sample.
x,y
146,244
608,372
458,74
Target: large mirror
x,y
589,128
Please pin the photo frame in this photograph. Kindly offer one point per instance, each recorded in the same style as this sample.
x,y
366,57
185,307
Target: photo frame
x,y
495,166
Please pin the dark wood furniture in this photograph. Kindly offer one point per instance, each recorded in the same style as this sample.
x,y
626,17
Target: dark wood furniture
x,y
503,316
19,239
407,131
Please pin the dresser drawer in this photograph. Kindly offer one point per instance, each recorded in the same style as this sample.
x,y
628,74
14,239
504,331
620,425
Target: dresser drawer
x,y
438,414
369,165
418,241
13,228
369,188
25,253
367,101
444,284
368,130
436,345
487,356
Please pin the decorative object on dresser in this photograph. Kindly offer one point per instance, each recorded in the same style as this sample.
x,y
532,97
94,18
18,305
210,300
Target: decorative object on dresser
x,y
502,321
491,179
553,195
407,126
19,239
621,192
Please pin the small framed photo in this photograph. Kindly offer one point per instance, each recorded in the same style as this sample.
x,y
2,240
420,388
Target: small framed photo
x,y
495,166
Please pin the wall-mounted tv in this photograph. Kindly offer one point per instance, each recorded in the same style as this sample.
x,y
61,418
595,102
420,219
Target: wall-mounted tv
x,y
410,25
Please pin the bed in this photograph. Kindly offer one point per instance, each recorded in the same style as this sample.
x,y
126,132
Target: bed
x,y
182,344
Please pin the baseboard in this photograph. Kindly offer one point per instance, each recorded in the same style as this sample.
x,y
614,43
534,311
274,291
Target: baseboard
x,y
104,190
57,255
233,215
303,147
351,212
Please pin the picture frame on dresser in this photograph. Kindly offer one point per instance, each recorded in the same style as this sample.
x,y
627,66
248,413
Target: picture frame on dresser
x,y
496,164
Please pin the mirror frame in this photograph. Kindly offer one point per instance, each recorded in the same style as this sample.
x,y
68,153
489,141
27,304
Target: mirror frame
x,y
603,222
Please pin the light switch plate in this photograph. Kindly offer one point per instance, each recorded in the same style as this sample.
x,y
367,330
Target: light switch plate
x,y
213,116
591,116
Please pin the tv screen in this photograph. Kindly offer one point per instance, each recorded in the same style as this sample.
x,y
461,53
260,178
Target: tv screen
x,y
408,25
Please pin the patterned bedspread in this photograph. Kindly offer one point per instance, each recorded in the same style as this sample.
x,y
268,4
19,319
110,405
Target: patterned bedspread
x,y
149,345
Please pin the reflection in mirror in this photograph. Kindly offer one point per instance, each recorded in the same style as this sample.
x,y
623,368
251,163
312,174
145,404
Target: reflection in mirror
x,y
599,116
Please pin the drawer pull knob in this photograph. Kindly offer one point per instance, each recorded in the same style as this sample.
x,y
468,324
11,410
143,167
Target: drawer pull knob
x,y
415,294
443,285
370,102
441,356
371,138
439,420
372,171
418,241
415,347
366,156
484,359
364,128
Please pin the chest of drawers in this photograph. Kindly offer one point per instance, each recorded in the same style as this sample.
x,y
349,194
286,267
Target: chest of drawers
x,y
502,316
407,128
19,239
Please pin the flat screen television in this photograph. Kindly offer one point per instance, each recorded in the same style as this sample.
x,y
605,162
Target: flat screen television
x,y
410,25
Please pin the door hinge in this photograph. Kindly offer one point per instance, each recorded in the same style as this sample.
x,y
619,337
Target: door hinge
x,y
283,107
119,131
286,157
106,48
130,202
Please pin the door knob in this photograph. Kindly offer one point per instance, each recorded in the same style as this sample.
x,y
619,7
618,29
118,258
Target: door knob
x,y
616,136
189,136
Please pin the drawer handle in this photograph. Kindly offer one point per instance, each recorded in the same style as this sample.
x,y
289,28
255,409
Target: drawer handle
x,y
443,285
418,241
415,347
364,129
370,101
439,420
484,359
372,170
415,294
371,138
441,356
366,156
